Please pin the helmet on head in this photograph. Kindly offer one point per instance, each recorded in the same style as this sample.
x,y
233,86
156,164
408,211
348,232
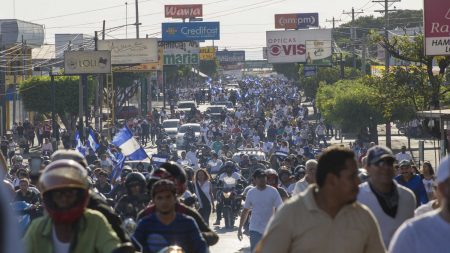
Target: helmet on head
x,y
17,159
229,165
157,174
125,171
178,175
71,155
64,175
134,178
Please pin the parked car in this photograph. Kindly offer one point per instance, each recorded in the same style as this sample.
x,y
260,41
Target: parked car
x,y
128,112
227,104
183,129
216,111
171,127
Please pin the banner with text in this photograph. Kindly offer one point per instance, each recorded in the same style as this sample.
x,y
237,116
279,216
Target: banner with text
x,y
231,60
290,46
207,53
296,20
87,62
318,52
180,53
437,27
190,31
183,11
131,51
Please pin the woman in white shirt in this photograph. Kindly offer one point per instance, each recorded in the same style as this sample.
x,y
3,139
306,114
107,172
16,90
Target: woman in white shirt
x,y
428,179
203,190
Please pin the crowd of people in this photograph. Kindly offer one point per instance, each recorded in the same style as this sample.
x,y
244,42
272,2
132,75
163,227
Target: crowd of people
x,y
267,163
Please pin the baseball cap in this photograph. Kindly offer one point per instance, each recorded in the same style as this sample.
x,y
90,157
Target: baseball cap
x,y
443,171
404,163
259,173
376,153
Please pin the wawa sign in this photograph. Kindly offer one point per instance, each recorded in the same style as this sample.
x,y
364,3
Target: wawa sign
x,y
183,11
437,27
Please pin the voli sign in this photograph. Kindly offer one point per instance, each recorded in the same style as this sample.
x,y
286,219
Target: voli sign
x,y
296,20
290,46
437,27
183,11
190,31
87,62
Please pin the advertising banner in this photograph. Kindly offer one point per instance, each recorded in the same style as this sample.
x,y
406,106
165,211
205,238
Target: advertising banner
x,y
190,31
207,53
144,67
437,27
131,51
180,53
183,11
87,62
290,46
318,52
296,20
230,56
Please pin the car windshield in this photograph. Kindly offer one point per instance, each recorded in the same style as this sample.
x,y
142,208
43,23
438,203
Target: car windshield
x,y
215,109
183,129
228,104
185,105
170,124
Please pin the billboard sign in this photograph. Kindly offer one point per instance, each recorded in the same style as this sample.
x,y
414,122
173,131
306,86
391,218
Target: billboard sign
x,y
318,52
183,11
87,62
207,53
190,31
309,71
437,27
180,53
290,46
230,56
131,51
296,20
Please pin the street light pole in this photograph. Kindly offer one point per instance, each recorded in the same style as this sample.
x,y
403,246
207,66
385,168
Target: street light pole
x,y
137,19
54,127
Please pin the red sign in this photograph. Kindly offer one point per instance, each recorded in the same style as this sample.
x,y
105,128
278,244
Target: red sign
x,y
183,11
437,27
286,21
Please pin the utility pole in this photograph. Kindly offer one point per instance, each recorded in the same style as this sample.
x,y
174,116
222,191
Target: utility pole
x,y
387,4
137,18
353,32
333,21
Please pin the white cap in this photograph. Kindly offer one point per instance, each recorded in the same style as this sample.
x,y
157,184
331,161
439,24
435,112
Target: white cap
x,y
443,172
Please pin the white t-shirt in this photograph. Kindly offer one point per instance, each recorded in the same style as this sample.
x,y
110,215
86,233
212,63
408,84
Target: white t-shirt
x,y
262,203
428,183
400,156
425,233
58,246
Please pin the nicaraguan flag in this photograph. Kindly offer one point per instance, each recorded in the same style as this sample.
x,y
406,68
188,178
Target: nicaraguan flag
x,y
93,143
118,166
79,145
129,146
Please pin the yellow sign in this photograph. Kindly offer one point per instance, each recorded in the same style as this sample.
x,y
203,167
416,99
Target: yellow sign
x,y
207,53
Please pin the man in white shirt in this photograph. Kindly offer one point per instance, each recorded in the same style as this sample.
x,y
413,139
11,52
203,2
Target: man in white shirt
x,y
310,177
428,232
263,200
390,202
403,155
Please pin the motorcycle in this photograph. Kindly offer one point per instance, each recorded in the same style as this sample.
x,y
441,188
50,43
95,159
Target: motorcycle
x,y
229,196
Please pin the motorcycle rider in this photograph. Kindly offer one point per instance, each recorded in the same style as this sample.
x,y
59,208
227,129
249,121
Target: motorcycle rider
x,y
119,188
189,137
135,200
229,170
183,160
272,180
178,176
69,225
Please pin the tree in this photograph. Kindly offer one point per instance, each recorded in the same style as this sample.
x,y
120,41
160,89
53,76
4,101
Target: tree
x,y
209,68
289,70
36,95
412,49
126,85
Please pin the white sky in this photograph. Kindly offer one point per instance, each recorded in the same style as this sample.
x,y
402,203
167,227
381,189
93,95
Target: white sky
x,y
243,22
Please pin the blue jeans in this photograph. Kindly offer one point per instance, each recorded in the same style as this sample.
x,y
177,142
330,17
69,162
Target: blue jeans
x,y
255,237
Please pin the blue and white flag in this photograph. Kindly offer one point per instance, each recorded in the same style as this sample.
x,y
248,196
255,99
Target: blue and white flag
x,y
79,145
118,165
92,141
128,145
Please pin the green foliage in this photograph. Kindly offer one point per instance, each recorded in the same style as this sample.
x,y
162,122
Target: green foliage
x,y
208,67
36,94
289,70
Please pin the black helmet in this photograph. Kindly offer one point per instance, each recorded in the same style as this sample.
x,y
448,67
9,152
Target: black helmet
x,y
125,171
135,178
178,175
271,173
229,164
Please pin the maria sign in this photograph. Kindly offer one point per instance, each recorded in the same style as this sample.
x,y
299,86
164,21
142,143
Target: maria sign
x,y
290,46
190,31
183,11
296,20
437,27
180,53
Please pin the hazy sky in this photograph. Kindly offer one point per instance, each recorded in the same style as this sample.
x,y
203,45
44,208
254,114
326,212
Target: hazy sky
x,y
243,22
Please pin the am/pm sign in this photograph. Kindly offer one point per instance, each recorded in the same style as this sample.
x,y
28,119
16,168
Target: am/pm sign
x,y
437,27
